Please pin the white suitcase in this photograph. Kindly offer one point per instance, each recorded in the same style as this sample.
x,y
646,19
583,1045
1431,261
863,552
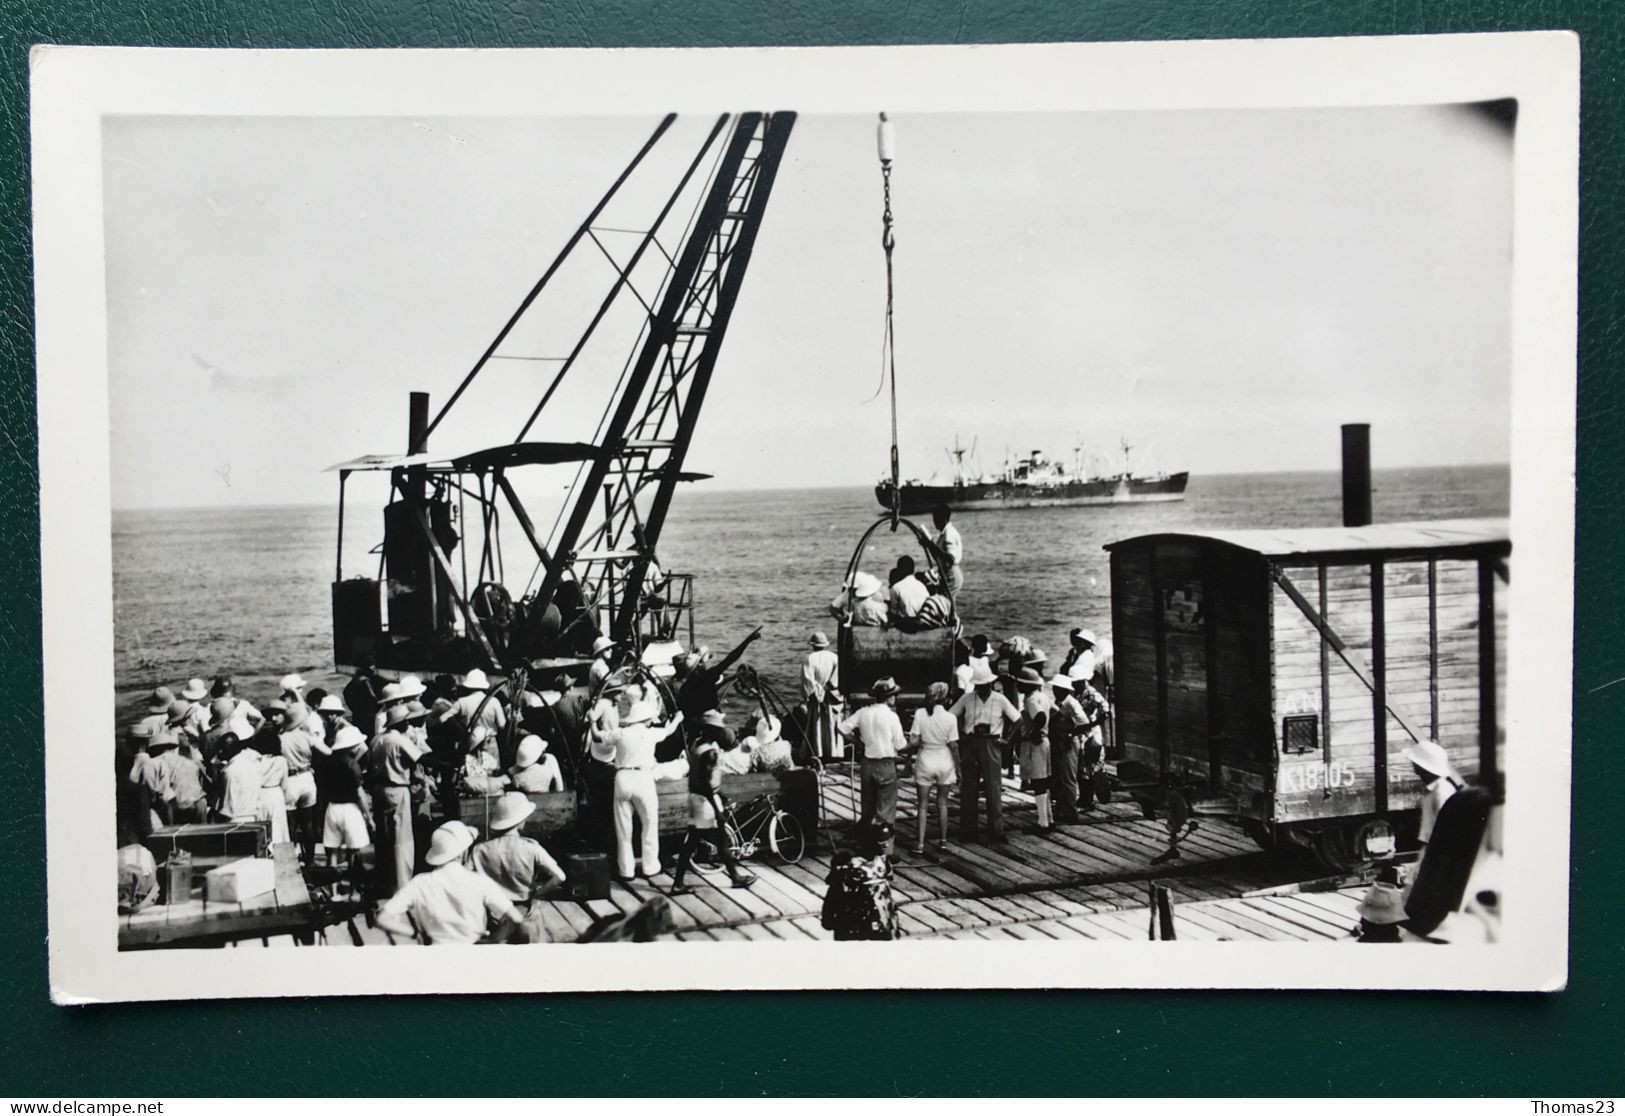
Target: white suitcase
x,y
241,880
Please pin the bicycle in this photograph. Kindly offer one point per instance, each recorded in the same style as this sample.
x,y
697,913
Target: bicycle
x,y
762,822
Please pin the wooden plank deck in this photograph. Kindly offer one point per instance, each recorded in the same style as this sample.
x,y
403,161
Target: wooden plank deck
x,y
1081,882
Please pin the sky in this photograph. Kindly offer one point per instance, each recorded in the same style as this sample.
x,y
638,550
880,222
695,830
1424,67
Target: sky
x,y
1222,289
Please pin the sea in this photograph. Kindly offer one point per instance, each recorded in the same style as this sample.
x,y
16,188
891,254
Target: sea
x,y
245,591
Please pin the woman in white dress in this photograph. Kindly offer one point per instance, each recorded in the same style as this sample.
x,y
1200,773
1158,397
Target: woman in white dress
x,y
273,796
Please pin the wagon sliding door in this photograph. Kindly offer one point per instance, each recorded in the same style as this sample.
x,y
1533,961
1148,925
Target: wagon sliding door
x,y
1191,638
1161,647
1421,653
1325,730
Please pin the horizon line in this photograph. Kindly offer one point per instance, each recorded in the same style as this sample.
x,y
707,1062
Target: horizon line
x,y
270,505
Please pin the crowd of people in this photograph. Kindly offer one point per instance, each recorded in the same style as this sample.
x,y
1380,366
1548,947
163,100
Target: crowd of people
x,y
999,714
366,769
363,773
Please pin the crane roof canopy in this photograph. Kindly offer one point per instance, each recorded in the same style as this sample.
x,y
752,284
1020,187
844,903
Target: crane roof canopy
x,y
497,457
1438,536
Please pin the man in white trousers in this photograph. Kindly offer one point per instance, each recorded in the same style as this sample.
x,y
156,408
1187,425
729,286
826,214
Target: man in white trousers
x,y
634,743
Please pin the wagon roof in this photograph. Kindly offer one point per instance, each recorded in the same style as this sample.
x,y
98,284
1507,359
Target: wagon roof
x,y
1428,536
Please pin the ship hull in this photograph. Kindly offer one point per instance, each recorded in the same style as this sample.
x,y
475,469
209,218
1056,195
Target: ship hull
x,y
919,499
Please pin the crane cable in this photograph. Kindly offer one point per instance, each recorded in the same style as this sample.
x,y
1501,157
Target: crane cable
x,y
885,142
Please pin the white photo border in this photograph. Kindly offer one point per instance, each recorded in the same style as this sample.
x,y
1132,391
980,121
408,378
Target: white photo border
x,y
72,88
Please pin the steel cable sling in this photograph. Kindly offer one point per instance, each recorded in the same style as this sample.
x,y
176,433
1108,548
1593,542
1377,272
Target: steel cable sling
x,y
885,142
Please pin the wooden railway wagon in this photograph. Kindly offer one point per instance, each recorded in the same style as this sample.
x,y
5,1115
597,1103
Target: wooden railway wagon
x,y
1276,676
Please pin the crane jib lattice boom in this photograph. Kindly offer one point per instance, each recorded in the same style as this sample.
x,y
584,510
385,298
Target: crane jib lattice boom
x,y
649,433
606,535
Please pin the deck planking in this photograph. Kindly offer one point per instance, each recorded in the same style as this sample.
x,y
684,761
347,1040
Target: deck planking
x,y
1079,882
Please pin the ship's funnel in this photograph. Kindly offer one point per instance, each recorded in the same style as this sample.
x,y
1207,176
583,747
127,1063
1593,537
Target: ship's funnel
x,y
1356,474
417,422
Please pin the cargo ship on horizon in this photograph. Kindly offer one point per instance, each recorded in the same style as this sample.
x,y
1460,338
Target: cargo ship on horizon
x,y
1035,481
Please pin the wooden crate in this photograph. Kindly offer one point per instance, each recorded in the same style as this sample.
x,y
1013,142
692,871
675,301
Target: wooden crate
x,y
210,843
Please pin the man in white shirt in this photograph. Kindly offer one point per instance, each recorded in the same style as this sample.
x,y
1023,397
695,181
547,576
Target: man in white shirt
x,y
908,593
985,718
1079,664
821,689
1069,723
634,792
482,716
951,550
451,905
880,736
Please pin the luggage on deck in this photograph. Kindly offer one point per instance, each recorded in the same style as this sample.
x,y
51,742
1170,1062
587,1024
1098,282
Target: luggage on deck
x,y
587,875
240,880
216,842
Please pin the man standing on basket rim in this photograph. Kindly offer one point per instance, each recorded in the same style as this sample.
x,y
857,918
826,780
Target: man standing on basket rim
x,y
880,736
950,549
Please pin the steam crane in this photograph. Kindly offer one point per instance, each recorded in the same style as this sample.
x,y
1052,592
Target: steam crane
x,y
426,610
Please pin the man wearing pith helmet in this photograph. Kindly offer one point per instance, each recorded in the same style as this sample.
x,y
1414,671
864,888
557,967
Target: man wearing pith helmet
x,y
451,904
534,771
1079,664
393,755
516,863
985,719
1439,781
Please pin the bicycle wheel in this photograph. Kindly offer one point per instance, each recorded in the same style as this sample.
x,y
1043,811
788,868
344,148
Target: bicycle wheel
x,y
785,838
707,857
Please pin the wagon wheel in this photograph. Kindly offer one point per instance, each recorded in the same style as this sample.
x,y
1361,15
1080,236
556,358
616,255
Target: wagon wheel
x,y
1101,785
1330,848
1258,831
1179,825
1341,849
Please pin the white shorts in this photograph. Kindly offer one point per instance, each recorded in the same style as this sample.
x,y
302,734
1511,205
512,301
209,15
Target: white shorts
x,y
300,790
934,767
345,827
701,814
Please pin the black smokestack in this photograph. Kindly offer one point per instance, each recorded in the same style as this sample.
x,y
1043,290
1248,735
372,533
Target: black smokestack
x,y
1356,474
417,423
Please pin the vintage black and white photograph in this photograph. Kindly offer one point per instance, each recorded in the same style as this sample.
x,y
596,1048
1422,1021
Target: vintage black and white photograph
x,y
1087,525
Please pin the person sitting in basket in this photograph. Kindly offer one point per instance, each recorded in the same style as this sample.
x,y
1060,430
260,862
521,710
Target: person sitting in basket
x,y
860,603
534,771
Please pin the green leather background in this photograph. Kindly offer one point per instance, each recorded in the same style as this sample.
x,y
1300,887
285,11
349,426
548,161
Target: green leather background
x,y
886,1044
